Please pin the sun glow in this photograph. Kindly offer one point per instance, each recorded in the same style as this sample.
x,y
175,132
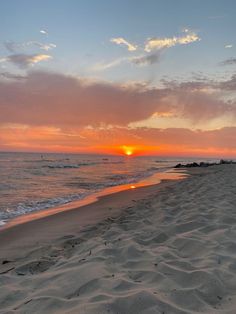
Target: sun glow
x,y
128,150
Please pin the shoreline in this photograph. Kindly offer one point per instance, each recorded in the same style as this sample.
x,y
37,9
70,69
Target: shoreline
x,y
154,179
73,217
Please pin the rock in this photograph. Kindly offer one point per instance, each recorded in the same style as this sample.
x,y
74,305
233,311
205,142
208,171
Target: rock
x,y
205,164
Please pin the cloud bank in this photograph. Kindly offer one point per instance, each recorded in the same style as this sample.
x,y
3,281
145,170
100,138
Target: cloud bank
x,y
53,99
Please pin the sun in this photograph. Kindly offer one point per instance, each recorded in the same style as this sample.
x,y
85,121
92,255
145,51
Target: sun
x,y
128,150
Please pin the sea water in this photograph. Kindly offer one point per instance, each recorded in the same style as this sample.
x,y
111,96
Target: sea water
x,y
32,181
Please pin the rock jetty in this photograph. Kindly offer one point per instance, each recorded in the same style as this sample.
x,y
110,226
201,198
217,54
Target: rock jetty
x,y
205,164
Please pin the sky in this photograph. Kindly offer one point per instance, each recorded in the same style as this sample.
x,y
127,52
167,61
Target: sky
x,y
141,77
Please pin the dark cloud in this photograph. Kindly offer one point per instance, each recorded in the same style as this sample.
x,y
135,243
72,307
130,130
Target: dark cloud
x,y
55,99
11,76
203,99
147,59
230,61
11,46
25,60
228,85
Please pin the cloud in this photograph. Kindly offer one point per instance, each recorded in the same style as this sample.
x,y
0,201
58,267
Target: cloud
x,y
216,17
101,66
228,46
12,46
25,60
42,31
228,85
4,59
11,76
160,43
138,60
157,44
142,60
42,46
220,138
146,59
54,99
122,41
231,61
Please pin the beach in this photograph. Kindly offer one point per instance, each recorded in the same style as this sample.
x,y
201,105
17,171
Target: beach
x,y
166,248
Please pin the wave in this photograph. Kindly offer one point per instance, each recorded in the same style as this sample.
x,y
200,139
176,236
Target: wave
x,y
80,190
85,185
46,160
33,206
81,164
61,166
120,179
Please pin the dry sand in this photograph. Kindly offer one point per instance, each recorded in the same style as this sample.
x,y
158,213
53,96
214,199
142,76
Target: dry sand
x,y
172,249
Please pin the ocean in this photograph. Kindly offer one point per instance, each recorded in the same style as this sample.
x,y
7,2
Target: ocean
x,y
32,182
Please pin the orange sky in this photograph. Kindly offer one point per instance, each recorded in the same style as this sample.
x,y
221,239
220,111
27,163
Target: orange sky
x,y
116,140
52,112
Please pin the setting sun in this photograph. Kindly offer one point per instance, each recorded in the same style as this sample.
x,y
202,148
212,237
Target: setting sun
x,y
128,150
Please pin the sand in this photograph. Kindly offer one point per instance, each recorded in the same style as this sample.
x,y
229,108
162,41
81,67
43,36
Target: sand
x,y
169,248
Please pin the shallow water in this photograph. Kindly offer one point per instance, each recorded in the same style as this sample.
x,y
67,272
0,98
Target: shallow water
x,y
32,181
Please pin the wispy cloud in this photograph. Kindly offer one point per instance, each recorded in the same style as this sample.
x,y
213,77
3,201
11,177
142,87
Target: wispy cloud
x,y
12,46
25,60
151,50
146,59
228,46
216,17
142,60
122,41
11,76
101,66
167,42
42,46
